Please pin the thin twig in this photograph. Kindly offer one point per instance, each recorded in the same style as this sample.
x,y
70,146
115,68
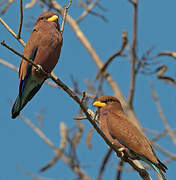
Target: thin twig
x,y
30,4
80,118
89,138
33,175
21,20
170,155
9,65
88,8
39,68
162,116
83,96
61,149
161,70
80,128
65,15
12,32
162,134
167,53
104,163
39,132
118,53
133,53
6,6
120,167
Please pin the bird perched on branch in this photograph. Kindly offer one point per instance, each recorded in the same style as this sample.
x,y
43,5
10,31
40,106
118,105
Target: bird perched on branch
x,y
43,48
124,134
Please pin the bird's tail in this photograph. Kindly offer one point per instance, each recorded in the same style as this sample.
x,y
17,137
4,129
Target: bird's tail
x,y
16,107
158,170
159,167
23,98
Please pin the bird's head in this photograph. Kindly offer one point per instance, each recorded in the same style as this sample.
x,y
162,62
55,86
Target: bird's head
x,y
107,101
48,17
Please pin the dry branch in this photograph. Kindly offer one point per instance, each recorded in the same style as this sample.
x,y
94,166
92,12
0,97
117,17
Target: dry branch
x,y
21,20
118,53
61,149
104,163
133,53
162,116
12,32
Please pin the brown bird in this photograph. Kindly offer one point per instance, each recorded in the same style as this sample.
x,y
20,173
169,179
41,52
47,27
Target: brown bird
x,y
122,132
43,47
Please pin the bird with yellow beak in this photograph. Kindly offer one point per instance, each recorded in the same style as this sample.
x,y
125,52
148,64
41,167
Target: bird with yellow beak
x,y
122,132
43,48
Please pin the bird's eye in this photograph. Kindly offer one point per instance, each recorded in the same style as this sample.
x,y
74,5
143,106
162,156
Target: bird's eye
x,y
109,100
42,18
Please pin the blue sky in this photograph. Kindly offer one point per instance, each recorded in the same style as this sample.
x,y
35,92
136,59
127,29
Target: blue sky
x,y
20,146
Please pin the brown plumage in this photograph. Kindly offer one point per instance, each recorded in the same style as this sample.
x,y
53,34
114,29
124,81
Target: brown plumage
x,y
43,47
120,130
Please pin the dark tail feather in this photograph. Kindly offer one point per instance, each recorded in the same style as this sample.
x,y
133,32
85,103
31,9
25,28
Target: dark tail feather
x,y
161,166
16,108
162,169
19,103
162,174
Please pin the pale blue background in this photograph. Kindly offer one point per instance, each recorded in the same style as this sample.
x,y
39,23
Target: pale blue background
x,y
20,146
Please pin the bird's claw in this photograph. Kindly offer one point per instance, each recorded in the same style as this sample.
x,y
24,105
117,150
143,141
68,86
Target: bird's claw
x,y
121,151
39,68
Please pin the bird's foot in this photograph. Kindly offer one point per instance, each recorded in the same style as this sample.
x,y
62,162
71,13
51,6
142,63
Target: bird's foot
x,y
40,70
122,151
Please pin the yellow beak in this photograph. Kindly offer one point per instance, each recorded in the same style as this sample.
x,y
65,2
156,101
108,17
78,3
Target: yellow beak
x,y
99,104
53,18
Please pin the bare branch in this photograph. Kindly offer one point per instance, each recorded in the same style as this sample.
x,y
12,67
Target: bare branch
x,y
119,172
88,8
21,20
167,53
61,149
9,65
162,116
65,15
12,32
104,163
28,60
133,53
6,6
118,53
33,175
161,70
89,138
30,4
77,137
39,132
170,155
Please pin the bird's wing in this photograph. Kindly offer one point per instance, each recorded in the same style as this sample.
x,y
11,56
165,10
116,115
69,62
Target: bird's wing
x,y
25,70
121,128
104,128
